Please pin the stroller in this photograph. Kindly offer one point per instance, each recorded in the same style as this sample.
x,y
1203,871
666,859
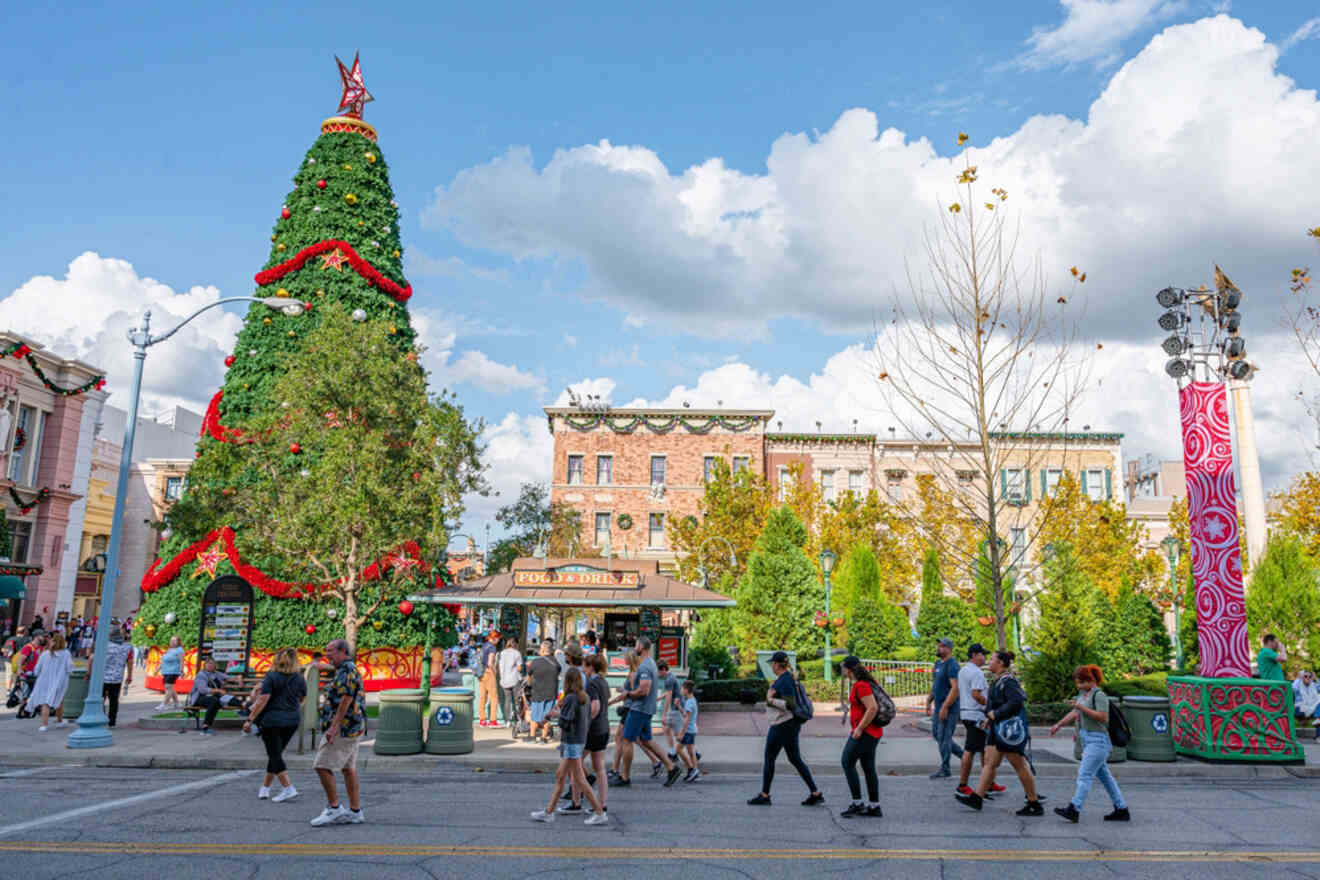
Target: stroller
x,y
19,693
521,699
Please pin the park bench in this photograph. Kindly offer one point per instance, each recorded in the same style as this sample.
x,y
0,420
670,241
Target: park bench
x,y
239,684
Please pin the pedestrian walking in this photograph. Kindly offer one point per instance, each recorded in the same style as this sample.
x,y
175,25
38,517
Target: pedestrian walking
x,y
598,731
118,674
1091,712
277,707
1006,725
52,672
574,720
670,707
782,735
171,667
488,687
687,742
620,744
510,671
641,701
972,690
544,674
941,706
343,721
864,736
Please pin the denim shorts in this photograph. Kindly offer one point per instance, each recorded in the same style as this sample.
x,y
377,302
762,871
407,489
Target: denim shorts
x,y
637,727
570,750
541,709
688,739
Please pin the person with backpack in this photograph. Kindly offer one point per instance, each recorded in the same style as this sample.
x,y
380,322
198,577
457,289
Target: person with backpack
x,y
789,708
1006,723
1095,720
869,710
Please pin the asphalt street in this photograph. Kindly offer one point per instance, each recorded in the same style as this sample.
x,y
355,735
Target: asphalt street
x,y
134,823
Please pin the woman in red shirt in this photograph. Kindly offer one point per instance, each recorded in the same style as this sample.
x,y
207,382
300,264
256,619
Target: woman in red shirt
x,y
865,736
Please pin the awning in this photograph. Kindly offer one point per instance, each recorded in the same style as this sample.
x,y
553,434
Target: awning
x,y
11,587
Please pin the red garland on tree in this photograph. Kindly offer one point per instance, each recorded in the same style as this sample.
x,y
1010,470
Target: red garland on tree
x,y
360,265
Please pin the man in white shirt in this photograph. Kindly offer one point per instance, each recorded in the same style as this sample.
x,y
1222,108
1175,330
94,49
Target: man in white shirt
x,y
509,665
972,690
1306,699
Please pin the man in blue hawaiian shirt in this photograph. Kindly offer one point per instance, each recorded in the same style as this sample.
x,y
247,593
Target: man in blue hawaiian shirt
x,y
343,721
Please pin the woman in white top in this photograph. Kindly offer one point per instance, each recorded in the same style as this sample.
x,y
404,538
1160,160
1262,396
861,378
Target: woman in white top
x,y
53,668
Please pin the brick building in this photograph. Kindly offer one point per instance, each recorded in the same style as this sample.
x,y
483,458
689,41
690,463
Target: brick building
x,y
644,468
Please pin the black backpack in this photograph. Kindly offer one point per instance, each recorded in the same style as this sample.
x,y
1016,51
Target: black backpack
x,y
1119,732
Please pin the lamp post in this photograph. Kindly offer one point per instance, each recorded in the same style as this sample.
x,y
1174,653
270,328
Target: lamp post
x,y
92,732
827,559
1172,548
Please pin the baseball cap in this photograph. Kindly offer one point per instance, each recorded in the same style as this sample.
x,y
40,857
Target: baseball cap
x,y
974,648
778,657
948,643
851,662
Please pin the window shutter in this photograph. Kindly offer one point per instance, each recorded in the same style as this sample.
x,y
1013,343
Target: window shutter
x,y
1084,495
1003,482
1109,485
1044,484
1026,484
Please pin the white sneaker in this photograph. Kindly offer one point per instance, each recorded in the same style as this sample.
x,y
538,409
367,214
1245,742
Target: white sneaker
x,y
63,724
543,816
330,815
287,795
263,793
598,819
349,817
42,728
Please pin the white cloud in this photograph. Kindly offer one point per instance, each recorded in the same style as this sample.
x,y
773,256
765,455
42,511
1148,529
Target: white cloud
x,y
601,387
1141,193
476,368
518,450
1094,31
1309,30
87,313
570,341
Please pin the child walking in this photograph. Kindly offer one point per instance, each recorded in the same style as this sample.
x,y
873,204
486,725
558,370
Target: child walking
x,y
687,743
574,720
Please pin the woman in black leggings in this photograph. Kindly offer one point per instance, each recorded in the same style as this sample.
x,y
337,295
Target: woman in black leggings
x,y
277,707
785,726
862,740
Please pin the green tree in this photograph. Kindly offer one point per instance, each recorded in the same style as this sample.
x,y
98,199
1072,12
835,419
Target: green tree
x,y
932,584
531,520
1284,599
877,628
780,592
1131,638
944,617
856,580
1066,634
322,477
1187,634
733,508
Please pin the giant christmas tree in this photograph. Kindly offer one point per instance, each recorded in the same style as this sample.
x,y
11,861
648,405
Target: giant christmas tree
x,y
324,474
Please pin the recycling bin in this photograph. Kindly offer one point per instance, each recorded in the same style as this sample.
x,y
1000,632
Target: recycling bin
x,y
76,694
400,727
449,726
1148,717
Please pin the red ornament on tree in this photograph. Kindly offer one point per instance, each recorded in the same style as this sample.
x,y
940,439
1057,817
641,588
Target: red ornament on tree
x,y
405,608
229,361
286,213
320,184
295,448
310,628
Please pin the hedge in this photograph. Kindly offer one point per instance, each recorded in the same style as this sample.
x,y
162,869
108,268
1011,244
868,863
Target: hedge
x,y
730,690
1154,684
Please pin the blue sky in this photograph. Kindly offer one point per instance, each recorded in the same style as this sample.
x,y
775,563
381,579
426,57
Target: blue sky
x,y
737,238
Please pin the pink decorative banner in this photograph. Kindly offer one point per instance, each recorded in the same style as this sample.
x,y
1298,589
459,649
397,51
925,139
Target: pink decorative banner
x,y
1221,611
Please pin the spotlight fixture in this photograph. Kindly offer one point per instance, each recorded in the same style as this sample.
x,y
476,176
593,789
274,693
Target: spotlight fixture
x,y
1235,348
1172,320
1174,345
1177,368
1239,370
1231,322
1230,300
1169,297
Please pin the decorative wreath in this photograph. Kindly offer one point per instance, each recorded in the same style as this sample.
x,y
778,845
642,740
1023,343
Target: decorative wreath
x,y
20,439
625,521
690,521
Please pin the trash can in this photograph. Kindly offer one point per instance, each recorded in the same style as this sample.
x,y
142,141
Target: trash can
x,y
763,663
76,695
1148,717
400,729
449,728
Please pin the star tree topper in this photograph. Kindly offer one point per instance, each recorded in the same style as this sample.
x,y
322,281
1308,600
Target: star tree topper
x,y
355,90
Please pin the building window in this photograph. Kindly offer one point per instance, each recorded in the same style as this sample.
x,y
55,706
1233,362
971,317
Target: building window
x,y
785,482
24,462
827,485
895,489
741,463
708,467
966,476
1018,544
173,488
1050,481
656,532
856,484
657,470
604,470
602,529
575,470
1093,484
1015,484
20,537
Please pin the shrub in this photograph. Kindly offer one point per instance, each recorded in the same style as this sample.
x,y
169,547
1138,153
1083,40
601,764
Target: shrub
x,y
699,658
1284,599
1156,684
780,592
731,690
944,617
877,629
1065,633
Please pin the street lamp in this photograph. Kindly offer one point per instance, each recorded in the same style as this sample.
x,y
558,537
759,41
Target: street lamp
x,y
1172,548
92,732
827,559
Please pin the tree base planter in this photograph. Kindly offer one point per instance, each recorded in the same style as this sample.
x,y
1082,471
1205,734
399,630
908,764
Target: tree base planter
x,y
1235,720
381,668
